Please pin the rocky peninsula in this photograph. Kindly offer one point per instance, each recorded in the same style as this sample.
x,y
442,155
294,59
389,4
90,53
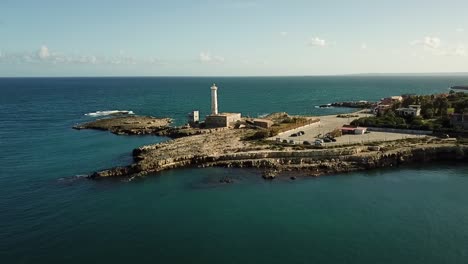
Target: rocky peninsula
x,y
241,147
459,87
228,148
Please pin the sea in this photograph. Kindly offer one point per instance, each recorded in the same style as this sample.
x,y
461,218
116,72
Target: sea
x,y
50,213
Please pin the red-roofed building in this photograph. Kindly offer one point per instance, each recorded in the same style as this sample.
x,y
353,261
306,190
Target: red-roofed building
x,y
353,130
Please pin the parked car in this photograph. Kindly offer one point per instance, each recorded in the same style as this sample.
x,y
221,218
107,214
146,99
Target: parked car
x,y
318,143
291,141
332,139
326,140
306,143
285,141
301,132
294,135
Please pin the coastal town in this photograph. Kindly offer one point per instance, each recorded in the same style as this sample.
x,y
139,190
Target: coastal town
x,y
396,130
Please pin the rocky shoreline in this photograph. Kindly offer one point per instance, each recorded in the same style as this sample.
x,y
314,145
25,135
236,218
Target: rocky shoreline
x,y
128,125
228,149
143,125
225,147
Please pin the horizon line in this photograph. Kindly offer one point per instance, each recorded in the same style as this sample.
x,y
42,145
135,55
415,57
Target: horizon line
x,y
246,76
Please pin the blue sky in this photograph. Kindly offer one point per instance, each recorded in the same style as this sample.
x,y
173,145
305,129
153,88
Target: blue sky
x,y
231,37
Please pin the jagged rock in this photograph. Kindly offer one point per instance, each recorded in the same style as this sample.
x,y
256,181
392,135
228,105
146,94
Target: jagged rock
x,y
269,174
373,148
226,180
225,147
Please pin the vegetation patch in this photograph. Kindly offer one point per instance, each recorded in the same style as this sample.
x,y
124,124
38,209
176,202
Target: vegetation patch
x,y
435,113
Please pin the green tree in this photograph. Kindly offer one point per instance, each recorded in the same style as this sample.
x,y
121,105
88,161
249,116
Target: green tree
x,y
410,100
441,104
461,105
428,113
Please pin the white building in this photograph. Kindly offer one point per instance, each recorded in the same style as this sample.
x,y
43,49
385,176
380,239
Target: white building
x,y
412,110
193,117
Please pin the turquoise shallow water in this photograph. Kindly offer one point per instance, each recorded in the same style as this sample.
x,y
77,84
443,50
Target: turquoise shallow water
x,y
406,215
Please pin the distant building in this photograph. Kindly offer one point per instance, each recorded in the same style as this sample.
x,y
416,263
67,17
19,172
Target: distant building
x,y
391,100
412,110
193,117
459,120
382,109
264,123
216,119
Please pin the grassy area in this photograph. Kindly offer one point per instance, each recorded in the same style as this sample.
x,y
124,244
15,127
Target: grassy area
x,y
390,120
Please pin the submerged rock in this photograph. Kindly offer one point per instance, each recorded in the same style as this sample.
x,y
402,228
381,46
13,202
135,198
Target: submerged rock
x,y
226,180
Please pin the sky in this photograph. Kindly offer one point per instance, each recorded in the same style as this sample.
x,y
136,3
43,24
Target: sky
x,y
231,37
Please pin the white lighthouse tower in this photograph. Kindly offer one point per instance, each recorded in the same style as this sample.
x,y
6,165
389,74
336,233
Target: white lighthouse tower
x,y
215,119
214,100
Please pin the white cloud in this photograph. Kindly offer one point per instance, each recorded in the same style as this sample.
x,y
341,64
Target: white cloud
x,y
43,52
460,51
85,59
433,45
363,46
317,42
460,30
44,55
428,42
218,58
283,33
206,57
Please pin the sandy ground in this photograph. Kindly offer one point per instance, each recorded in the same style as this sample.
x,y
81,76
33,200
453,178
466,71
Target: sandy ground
x,y
331,122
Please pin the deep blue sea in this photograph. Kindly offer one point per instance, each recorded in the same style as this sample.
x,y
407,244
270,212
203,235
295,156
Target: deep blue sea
x,y
49,214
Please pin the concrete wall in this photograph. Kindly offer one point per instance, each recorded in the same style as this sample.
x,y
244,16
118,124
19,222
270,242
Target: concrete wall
x,y
216,121
263,123
316,123
233,118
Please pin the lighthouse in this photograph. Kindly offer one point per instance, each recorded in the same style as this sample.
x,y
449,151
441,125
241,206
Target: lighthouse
x,y
216,119
214,100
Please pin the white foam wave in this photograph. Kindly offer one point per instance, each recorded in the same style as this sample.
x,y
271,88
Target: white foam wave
x,y
324,106
110,112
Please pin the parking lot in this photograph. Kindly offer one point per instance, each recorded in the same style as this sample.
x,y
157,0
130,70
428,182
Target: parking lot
x,y
330,123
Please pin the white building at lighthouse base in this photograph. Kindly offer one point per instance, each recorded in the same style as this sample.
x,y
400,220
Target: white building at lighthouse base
x,y
222,120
